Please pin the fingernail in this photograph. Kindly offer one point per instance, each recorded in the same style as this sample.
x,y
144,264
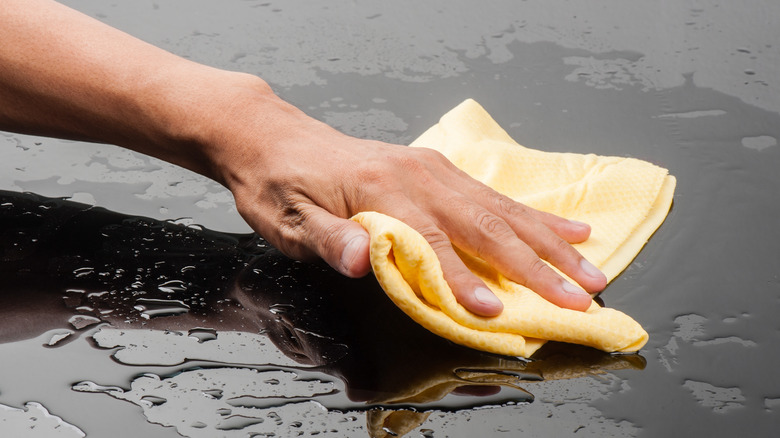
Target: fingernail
x,y
572,289
590,270
579,224
351,252
485,296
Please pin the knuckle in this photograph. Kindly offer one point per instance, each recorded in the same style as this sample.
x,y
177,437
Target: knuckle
x,y
436,238
556,249
370,181
289,240
371,171
431,155
563,247
290,244
289,233
329,237
488,223
537,268
461,281
509,208
420,163
410,163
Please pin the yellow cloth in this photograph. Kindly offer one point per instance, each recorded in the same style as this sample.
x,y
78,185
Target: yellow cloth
x,y
623,199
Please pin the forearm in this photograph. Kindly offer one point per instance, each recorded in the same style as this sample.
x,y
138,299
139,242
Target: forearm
x,y
65,74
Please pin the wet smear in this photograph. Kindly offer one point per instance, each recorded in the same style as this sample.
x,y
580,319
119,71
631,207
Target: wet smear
x,y
694,114
167,348
609,71
179,402
759,143
720,400
376,124
34,420
772,404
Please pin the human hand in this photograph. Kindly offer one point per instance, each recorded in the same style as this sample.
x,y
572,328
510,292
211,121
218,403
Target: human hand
x,y
297,181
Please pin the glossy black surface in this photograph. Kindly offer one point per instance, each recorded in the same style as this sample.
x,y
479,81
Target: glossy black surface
x,y
694,87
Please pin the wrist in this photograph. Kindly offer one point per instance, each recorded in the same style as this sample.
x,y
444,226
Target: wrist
x,y
239,127
188,113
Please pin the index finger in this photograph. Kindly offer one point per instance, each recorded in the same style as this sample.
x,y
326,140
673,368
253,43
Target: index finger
x,y
468,289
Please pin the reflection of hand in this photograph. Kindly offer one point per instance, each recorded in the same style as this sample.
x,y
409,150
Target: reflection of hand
x,y
387,423
296,181
485,377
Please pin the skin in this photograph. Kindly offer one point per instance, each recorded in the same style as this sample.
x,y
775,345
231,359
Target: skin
x,y
296,181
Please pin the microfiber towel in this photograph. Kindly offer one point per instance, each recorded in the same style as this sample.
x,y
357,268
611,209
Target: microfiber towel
x,y
623,199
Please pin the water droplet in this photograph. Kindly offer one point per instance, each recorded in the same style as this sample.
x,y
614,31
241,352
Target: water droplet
x,y
153,400
83,272
213,393
389,431
87,386
202,334
81,321
277,419
172,286
58,337
72,300
238,422
151,308
186,221
280,309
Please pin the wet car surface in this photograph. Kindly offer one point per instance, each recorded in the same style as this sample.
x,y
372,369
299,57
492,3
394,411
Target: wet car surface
x,y
141,305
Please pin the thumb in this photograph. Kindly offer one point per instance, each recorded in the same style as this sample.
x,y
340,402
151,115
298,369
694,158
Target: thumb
x,y
342,243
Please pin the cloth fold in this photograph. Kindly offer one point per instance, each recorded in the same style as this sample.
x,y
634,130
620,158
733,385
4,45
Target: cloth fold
x,y
623,199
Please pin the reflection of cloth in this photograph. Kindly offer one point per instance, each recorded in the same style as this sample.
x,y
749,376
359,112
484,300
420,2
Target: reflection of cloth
x,y
551,363
623,199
